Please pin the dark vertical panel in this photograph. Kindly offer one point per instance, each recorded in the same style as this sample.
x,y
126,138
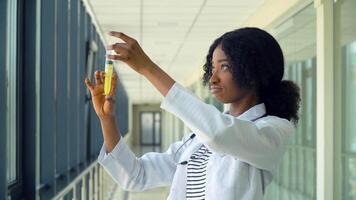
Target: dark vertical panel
x,y
72,89
98,67
93,124
60,88
89,118
47,104
94,117
3,6
61,127
79,79
102,67
82,89
29,98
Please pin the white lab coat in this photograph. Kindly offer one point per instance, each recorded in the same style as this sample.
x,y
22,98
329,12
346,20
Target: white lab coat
x,y
244,153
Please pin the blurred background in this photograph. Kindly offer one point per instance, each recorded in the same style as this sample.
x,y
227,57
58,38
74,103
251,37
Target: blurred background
x,y
50,136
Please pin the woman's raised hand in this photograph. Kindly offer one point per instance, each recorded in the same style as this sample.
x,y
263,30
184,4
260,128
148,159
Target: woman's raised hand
x,y
104,106
130,52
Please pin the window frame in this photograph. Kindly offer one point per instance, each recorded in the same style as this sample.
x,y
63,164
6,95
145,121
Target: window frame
x,y
15,188
153,113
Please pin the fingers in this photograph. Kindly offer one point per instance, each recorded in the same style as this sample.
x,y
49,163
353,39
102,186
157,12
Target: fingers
x,y
117,57
121,49
98,78
112,92
117,46
102,76
110,98
89,84
122,36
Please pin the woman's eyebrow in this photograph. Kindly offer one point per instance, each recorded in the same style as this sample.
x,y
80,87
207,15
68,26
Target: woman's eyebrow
x,y
221,60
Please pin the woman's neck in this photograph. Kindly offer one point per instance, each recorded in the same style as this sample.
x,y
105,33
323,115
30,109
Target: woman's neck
x,y
241,106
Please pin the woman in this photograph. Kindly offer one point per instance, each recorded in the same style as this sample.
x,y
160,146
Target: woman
x,y
229,155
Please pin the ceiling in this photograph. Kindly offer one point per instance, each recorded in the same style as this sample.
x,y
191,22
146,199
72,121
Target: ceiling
x,y
175,34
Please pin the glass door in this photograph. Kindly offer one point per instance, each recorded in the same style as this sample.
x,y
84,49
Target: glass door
x,y
150,131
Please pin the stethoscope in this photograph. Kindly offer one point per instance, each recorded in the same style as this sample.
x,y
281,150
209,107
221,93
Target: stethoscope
x,y
193,136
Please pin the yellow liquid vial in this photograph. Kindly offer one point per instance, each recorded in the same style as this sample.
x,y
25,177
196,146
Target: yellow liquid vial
x,y
109,68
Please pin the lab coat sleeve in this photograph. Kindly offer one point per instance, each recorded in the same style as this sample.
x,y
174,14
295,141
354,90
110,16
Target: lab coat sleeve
x,y
138,174
261,143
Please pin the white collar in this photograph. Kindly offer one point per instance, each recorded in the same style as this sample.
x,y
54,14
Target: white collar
x,y
252,113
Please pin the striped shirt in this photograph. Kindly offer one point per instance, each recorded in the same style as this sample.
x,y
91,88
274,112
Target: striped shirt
x,y
196,174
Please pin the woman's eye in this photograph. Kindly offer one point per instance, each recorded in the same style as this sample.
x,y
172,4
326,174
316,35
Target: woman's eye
x,y
223,67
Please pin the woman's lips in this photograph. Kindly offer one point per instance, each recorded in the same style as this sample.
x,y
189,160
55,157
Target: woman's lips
x,y
215,89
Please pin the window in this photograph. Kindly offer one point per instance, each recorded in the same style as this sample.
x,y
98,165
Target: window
x,y
296,176
349,126
12,94
345,64
150,131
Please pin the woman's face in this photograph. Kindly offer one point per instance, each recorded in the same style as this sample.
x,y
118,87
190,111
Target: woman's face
x,y
221,83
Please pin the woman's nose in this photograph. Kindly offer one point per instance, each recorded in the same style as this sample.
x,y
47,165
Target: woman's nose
x,y
214,78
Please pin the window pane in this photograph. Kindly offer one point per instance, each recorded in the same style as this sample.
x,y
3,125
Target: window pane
x,y
350,96
157,128
345,28
147,128
297,37
300,170
309,91
11,115
349,177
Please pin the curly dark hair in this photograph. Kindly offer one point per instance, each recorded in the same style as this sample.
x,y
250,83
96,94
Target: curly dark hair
x,y
257,62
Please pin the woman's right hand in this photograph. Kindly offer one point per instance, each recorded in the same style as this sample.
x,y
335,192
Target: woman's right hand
x,y
104,106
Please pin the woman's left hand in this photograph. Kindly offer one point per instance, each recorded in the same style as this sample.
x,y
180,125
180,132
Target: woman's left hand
x,y
104,106
130,52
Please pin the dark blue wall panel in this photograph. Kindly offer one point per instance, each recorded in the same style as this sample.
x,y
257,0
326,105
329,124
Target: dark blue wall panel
x,y
88,124
72,89
94,120
101,66
82,89
61,83
96,124
47,96
66,141
3,6
29,98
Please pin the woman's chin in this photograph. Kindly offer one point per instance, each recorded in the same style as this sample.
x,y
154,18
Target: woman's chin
x,y
220,99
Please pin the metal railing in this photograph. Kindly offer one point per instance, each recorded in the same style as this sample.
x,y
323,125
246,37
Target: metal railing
x,y
93,184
